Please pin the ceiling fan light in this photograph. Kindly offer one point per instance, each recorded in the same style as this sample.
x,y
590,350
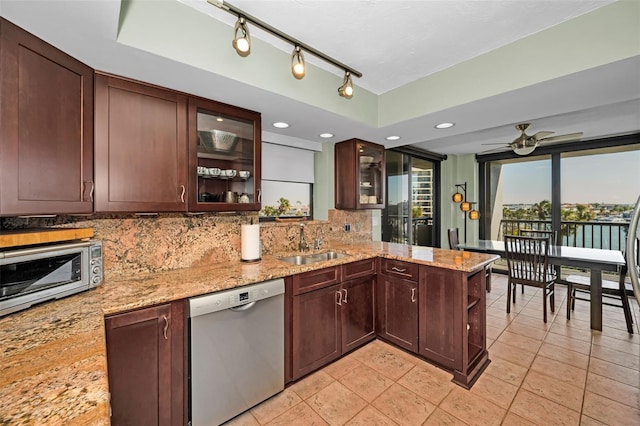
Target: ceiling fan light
x,y
241,38
298,67
346,90
525,149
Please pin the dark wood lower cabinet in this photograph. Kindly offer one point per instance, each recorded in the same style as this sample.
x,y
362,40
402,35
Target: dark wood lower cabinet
x,y
316,330
397,303
358,313
146,364
326,318
440,328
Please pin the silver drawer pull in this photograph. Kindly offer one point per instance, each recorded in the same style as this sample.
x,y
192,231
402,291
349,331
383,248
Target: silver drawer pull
x,y
413,295
399,269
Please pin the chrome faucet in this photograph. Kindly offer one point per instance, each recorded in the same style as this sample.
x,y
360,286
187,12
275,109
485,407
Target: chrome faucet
x,y
303,245
317,243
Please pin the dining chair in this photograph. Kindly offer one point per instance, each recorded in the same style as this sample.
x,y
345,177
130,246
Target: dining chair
x,y
454,240
551,235
527,263
611,290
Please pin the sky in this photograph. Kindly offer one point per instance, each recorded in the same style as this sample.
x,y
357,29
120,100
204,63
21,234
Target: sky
x,y
611,179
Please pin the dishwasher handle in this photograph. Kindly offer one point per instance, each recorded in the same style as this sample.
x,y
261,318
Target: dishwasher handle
x,y
245,307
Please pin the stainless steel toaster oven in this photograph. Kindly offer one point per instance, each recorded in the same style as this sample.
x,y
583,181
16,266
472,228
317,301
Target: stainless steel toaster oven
x,y
29,276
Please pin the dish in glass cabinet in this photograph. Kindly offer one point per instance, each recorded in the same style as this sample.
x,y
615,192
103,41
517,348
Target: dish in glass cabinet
x,y
365,159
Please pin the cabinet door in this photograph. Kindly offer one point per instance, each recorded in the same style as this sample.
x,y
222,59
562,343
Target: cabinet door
x,y
441,316
46,137
316,330
397,301
141,147
358,314
359,175
224,157
145,358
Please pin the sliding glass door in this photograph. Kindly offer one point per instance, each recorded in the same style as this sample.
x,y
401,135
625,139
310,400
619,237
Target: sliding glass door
x,y
410,215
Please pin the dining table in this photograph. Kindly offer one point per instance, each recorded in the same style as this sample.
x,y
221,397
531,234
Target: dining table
x,y
595,260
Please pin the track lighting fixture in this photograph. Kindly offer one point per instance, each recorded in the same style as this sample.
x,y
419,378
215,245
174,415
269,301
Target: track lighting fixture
x,y
346,90
298,66
241,42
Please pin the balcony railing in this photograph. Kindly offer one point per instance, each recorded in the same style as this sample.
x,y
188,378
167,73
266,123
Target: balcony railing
x,y
604,235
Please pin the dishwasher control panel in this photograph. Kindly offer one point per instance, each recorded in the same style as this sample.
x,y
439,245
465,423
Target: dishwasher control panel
x,y
235,297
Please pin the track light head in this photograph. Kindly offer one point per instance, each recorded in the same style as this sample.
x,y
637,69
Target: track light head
x,y
298,67
346,90
241,41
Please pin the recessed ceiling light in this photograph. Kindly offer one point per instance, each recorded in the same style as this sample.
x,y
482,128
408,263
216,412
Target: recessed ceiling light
x,y
326,135
280,125
392,138
444,125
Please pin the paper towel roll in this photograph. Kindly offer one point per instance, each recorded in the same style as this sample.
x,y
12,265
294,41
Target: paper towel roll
x,y
250,242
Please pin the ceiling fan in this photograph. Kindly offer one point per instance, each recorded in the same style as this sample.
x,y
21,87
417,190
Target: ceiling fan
x,y
525,144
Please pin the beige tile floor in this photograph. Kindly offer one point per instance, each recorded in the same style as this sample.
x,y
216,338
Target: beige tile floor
x,y
559,373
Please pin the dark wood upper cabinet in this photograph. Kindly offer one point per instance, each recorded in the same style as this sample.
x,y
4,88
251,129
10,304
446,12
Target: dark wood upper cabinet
x,y
146,361
46,136
225,167
141,147
359,175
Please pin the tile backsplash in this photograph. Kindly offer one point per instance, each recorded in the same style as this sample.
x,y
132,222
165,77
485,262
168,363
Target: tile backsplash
x,y
139,244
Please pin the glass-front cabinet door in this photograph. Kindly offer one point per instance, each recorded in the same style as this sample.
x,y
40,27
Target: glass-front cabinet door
x,y
359,175
224,157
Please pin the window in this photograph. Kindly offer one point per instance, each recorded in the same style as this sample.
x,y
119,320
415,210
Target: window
x,y
287,182
585,195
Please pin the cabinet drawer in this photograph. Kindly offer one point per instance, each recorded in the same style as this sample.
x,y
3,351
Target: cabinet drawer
x,y
398,268
314,280
357,269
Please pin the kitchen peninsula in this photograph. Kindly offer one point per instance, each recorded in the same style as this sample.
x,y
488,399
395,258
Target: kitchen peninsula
x,y
53,357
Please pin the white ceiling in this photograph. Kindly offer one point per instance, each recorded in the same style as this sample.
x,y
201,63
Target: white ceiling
x,y
393,43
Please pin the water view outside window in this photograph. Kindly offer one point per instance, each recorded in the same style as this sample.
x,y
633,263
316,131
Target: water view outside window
x,y
520,192
598,194
598,189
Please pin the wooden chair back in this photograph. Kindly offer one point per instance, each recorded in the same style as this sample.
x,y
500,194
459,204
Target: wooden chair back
x,y
527,260
454,240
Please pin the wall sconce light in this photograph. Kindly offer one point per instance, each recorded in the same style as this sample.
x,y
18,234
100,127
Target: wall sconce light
x,y
241,42
465,206
346,90
297,63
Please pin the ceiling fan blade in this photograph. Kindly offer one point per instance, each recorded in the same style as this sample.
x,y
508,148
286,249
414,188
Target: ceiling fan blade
x,y
542,135
505,144
561,138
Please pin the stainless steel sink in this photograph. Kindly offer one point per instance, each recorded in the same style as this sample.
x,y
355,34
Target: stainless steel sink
x,y
305,259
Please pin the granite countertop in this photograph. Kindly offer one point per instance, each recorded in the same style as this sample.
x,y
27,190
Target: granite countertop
x,y
53,366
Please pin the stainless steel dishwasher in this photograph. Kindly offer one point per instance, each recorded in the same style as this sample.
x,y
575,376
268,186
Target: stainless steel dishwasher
x,y
236,351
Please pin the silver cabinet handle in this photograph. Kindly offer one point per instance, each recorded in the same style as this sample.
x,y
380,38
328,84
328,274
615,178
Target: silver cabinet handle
x,y
345,295
86,182
413,295
182,195
259,195
339,298
399,269
166,327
